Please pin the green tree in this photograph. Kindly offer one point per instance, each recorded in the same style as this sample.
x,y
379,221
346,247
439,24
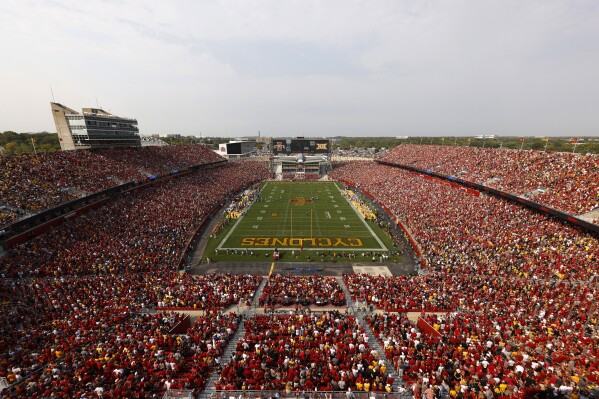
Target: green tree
x,y
9,148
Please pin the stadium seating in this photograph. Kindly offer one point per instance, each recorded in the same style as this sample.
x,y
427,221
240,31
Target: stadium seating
x,y
304,353
284,290
565,181
510,355
465,233
31,183
513,294
67,288
138,358
141,231
81,307
510,278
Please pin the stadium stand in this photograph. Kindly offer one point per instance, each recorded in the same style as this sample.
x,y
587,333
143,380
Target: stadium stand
x,y
507,302
565,181
141,231
477,234
31,183
49,317
292,353
138,358
519,287
284,290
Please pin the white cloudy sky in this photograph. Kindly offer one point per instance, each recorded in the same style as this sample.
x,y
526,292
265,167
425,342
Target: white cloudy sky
x,y
324,67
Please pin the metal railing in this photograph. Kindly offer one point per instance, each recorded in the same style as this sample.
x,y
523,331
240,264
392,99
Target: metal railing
x,y
296,394
178,394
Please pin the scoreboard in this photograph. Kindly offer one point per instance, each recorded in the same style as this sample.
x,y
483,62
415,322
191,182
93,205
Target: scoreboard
x,y
305,146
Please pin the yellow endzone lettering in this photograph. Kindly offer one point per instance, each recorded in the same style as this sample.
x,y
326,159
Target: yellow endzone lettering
x,y
287,242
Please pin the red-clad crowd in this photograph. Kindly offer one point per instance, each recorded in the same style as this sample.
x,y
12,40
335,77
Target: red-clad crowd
x,y
518,291
67,289
493,353
520,287
470,234
31,183
140,231
49,317
566,181
137,358
158,161
326,352
287,290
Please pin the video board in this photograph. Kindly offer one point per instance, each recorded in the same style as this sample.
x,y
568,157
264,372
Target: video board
x,y
304,146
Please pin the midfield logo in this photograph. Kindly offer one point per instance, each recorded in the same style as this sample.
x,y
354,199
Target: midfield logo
x,y
299,201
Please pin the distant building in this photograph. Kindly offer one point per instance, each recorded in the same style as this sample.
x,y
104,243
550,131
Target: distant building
x,y
152,140
237,149
93,128
300,167
300,145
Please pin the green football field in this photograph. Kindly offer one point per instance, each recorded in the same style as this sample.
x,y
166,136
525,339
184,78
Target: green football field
x,y
312,216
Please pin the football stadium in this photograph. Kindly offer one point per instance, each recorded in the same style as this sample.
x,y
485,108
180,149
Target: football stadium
x,y
171,272
267,199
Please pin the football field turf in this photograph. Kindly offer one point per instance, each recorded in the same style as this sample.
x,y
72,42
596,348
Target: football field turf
x,y
312,216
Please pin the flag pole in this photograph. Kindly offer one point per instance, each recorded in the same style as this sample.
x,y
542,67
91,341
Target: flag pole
x,y
33,144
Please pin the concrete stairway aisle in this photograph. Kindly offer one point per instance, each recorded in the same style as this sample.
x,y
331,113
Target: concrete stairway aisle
x,y
226,356
239,333
350,302
373,341
258,293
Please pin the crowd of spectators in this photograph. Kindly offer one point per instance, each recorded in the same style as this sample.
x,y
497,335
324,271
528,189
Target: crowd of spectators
x,y
158,160
295,353
32,183
137,358
48,317
565,181
140,231
519,287
492,353
288,290
465,233
519,290
66,289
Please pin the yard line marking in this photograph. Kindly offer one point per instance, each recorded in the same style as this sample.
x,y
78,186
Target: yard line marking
x,y
376,237
220,245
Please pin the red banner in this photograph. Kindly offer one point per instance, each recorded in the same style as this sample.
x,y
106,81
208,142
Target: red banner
x,y
427,328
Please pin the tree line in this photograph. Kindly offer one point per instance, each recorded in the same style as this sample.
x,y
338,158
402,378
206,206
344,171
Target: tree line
x,y
584,145
20,143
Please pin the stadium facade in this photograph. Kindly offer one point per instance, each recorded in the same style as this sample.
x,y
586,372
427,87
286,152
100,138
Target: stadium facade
x,y
237,149
93,128
300,158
